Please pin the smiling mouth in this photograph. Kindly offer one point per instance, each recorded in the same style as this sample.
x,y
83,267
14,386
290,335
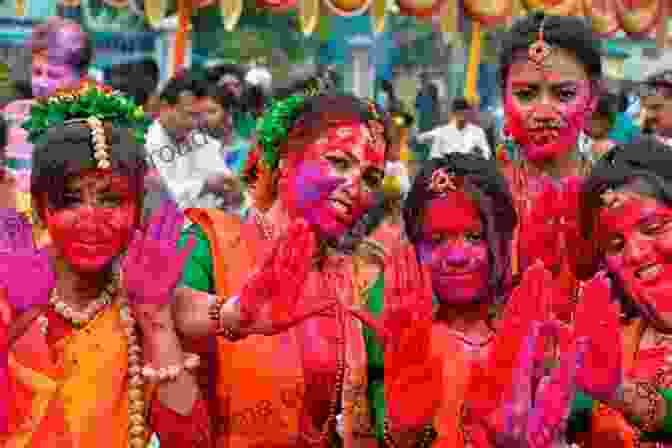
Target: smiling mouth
x,y
648,272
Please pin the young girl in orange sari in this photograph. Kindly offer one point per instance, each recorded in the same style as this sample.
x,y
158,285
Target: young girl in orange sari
x,y
91,354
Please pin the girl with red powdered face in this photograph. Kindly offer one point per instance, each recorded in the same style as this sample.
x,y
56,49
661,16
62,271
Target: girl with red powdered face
x,y
550,72
626,208
97,297
468,373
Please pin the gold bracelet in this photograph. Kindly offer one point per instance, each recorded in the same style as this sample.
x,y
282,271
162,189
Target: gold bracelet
x,y
650,393
215,310
171,373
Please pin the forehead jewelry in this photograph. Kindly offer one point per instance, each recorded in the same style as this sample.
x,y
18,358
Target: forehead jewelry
x,y
442,182
539,51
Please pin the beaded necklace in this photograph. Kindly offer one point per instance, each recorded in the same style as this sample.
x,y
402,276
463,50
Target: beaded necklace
x,y
137,425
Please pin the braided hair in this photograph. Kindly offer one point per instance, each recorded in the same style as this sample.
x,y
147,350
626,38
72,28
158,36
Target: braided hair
x,y
495,204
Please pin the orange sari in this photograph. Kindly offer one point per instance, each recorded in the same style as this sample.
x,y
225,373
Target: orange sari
x,y
59,396
260,383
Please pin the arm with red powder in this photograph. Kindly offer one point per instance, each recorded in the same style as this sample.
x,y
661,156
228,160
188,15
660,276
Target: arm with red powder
x,y
412,375
177,431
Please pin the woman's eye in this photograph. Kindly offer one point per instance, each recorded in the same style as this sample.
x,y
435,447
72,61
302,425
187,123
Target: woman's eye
x,y
473,236
656,227
71,200
110,201
567,95
341,164
525,95
373,181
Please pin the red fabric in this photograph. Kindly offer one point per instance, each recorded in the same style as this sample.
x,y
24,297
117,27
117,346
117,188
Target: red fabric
x,y
180,431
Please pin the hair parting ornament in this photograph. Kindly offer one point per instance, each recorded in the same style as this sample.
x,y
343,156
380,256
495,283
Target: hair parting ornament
x,y
443,182
101,149
540,50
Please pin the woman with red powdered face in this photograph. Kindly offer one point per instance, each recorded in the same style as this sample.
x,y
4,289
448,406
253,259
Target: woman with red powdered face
x,y
466,376
550,73
91,354
626,207
324,155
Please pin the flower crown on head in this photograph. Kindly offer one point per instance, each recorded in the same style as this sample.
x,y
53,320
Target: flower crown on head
x,y
443,181
274,126
90,103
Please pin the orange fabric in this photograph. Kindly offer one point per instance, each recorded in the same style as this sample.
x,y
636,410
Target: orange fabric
x,y
260,384
609,427
452,422
448,420
53,387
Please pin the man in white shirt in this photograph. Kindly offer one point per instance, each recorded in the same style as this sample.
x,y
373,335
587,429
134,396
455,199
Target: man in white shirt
x,y
188,163
458,135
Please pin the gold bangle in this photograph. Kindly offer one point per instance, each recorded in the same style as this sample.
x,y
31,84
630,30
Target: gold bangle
x,y
650,393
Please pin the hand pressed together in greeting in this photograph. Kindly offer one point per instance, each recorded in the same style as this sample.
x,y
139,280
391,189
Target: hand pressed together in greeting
x,y
153,265
534,408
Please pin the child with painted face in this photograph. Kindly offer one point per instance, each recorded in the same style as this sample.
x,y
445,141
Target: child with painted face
x,y
462,375
550,67
626,208
94,355
324,155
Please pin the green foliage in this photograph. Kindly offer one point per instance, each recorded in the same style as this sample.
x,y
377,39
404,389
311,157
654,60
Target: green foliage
x,y
274,126
83,103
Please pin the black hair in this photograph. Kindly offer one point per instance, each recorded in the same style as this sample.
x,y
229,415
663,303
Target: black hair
x,y
136,79
4,132
221,97
608,106
570,33
214,74
23,90
67,149
495,204
644,159
150,68
460,105
253,100
180,84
